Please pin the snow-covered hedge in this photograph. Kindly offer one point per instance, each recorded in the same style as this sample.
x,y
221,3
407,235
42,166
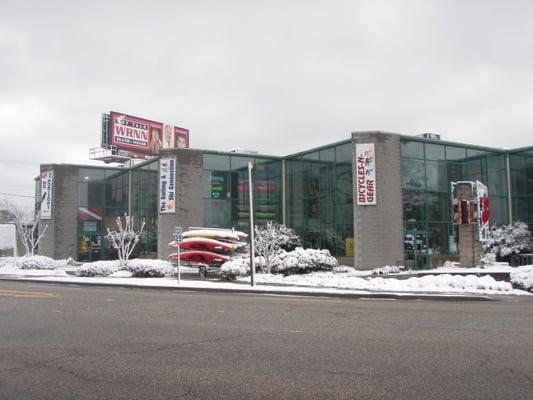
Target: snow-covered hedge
x,y
142,268
35,262
234,268
522,278
299,261
302,261
139,268
98,268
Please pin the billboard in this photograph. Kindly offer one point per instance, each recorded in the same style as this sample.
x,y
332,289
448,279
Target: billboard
x,y
365,173
167,185
47,185
138,137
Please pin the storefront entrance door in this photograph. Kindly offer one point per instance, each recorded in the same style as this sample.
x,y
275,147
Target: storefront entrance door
x,y
90,248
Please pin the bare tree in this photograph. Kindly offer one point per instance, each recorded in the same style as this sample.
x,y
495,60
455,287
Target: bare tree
x,y
126,238
26,223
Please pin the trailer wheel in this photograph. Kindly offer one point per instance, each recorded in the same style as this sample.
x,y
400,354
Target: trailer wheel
x,y
202,271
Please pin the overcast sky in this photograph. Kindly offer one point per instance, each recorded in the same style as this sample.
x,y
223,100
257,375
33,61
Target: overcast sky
x,y
274,76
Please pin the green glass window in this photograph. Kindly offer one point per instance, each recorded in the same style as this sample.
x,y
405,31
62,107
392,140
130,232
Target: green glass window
x,y
435,152
412,149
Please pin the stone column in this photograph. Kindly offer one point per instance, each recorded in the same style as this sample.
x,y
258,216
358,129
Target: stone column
x,y
189,204
378,229
60,240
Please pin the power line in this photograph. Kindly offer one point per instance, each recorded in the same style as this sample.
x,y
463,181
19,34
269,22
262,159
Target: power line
x,y
16,195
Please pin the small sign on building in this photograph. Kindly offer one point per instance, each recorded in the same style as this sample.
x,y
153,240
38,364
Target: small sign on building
x,y
47,185
167,185
365,174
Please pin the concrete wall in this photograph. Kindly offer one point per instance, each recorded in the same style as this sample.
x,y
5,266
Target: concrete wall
x,y
379,228
60,240
189,207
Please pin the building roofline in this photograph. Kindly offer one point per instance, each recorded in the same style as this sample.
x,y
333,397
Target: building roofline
x,y
323,147
455,144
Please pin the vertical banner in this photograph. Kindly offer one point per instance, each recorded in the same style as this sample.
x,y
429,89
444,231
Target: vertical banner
x,y
365,174
47,185
167,185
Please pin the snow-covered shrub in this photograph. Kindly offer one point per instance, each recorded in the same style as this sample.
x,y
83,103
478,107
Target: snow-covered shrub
x,y
509,239
234,268
141,268
522,277
98,268
487,259
35,262
290,240
301,261
388,269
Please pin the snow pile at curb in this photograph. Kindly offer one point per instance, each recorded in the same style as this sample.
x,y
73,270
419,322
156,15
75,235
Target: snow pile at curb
x,y
522,277
429,283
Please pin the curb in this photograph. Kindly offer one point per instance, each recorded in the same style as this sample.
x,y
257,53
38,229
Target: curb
x,y
345,295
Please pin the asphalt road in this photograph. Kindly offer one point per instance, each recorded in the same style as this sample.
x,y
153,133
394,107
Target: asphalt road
x,y
69,342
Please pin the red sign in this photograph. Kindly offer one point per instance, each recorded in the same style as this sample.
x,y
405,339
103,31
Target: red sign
x,y
484,213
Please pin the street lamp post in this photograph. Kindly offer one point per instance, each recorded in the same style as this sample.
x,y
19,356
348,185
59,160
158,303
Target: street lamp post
x,y
251,210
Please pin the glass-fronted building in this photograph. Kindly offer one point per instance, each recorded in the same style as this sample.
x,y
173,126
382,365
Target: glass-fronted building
x,y
311,191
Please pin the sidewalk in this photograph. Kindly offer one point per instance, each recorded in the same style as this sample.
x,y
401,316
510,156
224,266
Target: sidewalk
x,y
244,288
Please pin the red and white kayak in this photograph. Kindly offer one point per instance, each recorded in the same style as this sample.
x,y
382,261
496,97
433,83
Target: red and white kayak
x,y
203,244
216,234
201,257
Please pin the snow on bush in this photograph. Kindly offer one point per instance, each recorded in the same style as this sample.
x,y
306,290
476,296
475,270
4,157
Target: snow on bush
x,y
388,269
509,239
143,268
298,261
35,262
232,269
522,277
139,268
99,268
301,261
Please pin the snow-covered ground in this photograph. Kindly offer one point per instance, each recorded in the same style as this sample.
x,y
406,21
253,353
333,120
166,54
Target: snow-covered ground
x,y
445,283
341,280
